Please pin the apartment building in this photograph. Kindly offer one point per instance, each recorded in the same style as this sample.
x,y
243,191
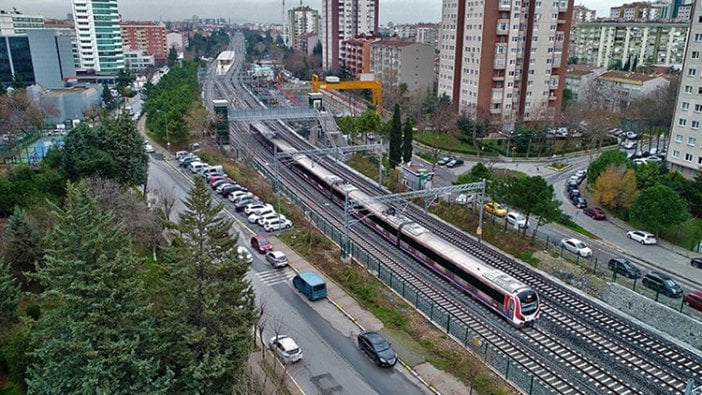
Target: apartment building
x,y
343,20
148,37
13,22
306,42
427,33
504,60
621,88
302,19
582,14
98,35
356,55
638,11
605,43
394,62
685,148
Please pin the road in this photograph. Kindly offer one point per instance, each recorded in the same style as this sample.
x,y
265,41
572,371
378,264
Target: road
x,y
612,233
332,363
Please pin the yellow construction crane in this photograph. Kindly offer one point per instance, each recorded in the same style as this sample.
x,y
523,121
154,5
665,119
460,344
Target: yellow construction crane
x,y
333,83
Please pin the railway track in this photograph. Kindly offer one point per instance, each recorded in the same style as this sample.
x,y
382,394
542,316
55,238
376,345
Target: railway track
x,y
626,346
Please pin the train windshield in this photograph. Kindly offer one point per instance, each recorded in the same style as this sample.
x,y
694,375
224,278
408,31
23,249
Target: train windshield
x,y
529,302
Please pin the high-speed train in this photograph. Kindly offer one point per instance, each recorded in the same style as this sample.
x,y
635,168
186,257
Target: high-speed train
x,y
509,297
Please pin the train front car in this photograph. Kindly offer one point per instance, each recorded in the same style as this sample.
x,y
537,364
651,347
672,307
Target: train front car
x,y
522,304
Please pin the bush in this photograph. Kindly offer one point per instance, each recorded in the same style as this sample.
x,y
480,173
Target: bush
x,y
34,311
16,359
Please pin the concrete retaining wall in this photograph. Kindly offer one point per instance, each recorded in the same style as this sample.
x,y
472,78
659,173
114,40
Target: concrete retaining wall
x,y
655,314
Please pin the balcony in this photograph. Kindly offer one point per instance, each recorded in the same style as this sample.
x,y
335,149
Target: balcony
x,y
500,62
496,96
504,5
495,111
502,26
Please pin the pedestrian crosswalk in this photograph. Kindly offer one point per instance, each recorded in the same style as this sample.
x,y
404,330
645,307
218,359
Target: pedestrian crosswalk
x,y
276,276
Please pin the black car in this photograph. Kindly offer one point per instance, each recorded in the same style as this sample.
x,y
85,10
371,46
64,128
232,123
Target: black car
x,y
455,163
217,183
624,267
572,184
231,188
659,282
579,202
376,347
574,193
696,262
241,204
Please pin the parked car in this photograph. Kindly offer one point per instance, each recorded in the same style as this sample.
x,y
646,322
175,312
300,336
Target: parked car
x,y
696,262
631,135
149,148
268,217
223,185
277,259
694,300
377,348
188,160
261,244
639,161
285,348
455,163
641,236
579,202
311,285
180,154
577,247
574,193
238,195
629,145
514,217
443,161
249,209
624,267
220,182
495,208
227,189
257,214
660,282
214,179
244,254
241,204
465,198
277,224
595,213
581,174
571,184
575,178
653,159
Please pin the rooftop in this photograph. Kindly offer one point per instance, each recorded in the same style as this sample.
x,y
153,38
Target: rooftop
x,y
394,43
627,76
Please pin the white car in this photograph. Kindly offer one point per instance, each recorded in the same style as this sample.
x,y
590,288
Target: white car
x,y
639,162
256,214
465,198
631,135
277,259
630,145
653,159
149,148
268,217
244,254
237,195
276,224
515,218
285,348
576,247
250,208
642,237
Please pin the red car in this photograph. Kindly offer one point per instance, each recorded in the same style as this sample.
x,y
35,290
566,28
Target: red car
x,y
217,178
595,213
694,300
261,244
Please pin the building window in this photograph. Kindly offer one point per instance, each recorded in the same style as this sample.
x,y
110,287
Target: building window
x,y
698,37
698,107
695,55
688,157
699,161
682,122
695,125
691,141
688,88
678,138
691,72
676,154
685,106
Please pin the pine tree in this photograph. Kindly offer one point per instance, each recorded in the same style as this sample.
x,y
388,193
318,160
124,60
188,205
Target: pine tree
x,y
23,246
126,146
107,99
209,304
98,336
407,137
9,296
395,149
172,57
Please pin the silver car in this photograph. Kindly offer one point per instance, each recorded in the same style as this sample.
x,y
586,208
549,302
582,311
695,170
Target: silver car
x,y
285,348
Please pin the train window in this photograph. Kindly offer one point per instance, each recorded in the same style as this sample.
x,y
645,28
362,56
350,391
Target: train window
x,y
529,301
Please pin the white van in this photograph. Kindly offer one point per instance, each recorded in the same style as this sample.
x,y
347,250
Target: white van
x,y
197,165
181,154
213,171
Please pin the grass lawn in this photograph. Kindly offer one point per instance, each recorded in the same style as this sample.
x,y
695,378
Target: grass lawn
x,y
444,141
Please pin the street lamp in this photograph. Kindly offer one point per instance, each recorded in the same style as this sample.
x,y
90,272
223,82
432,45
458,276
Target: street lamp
x,y
168,139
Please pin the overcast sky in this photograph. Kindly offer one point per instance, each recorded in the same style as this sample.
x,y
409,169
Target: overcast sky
x,y
396,11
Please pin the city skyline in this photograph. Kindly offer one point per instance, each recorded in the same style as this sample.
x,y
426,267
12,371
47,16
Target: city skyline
x,y
264,11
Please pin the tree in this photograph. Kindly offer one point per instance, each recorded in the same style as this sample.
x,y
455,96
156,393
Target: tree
x,y
126,146
98,335
407,137
123,79
605,160
567,98
647,175
615,188
9,296
368,123
23,246
107,99
172,57
658,207
209,306
478,172
533,196
395,149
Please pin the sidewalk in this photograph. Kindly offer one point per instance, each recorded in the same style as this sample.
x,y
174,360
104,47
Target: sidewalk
x,y
409,351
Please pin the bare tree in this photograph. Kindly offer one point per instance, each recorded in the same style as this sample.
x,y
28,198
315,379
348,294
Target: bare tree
x,y
167,198
261,325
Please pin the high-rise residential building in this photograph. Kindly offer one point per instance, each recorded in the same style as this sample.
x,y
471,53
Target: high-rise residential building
x,y
621,43
582,14
98,35
638,11
13,22
395,62
343,20
356,55
685,148
504,60
301,20
148,37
